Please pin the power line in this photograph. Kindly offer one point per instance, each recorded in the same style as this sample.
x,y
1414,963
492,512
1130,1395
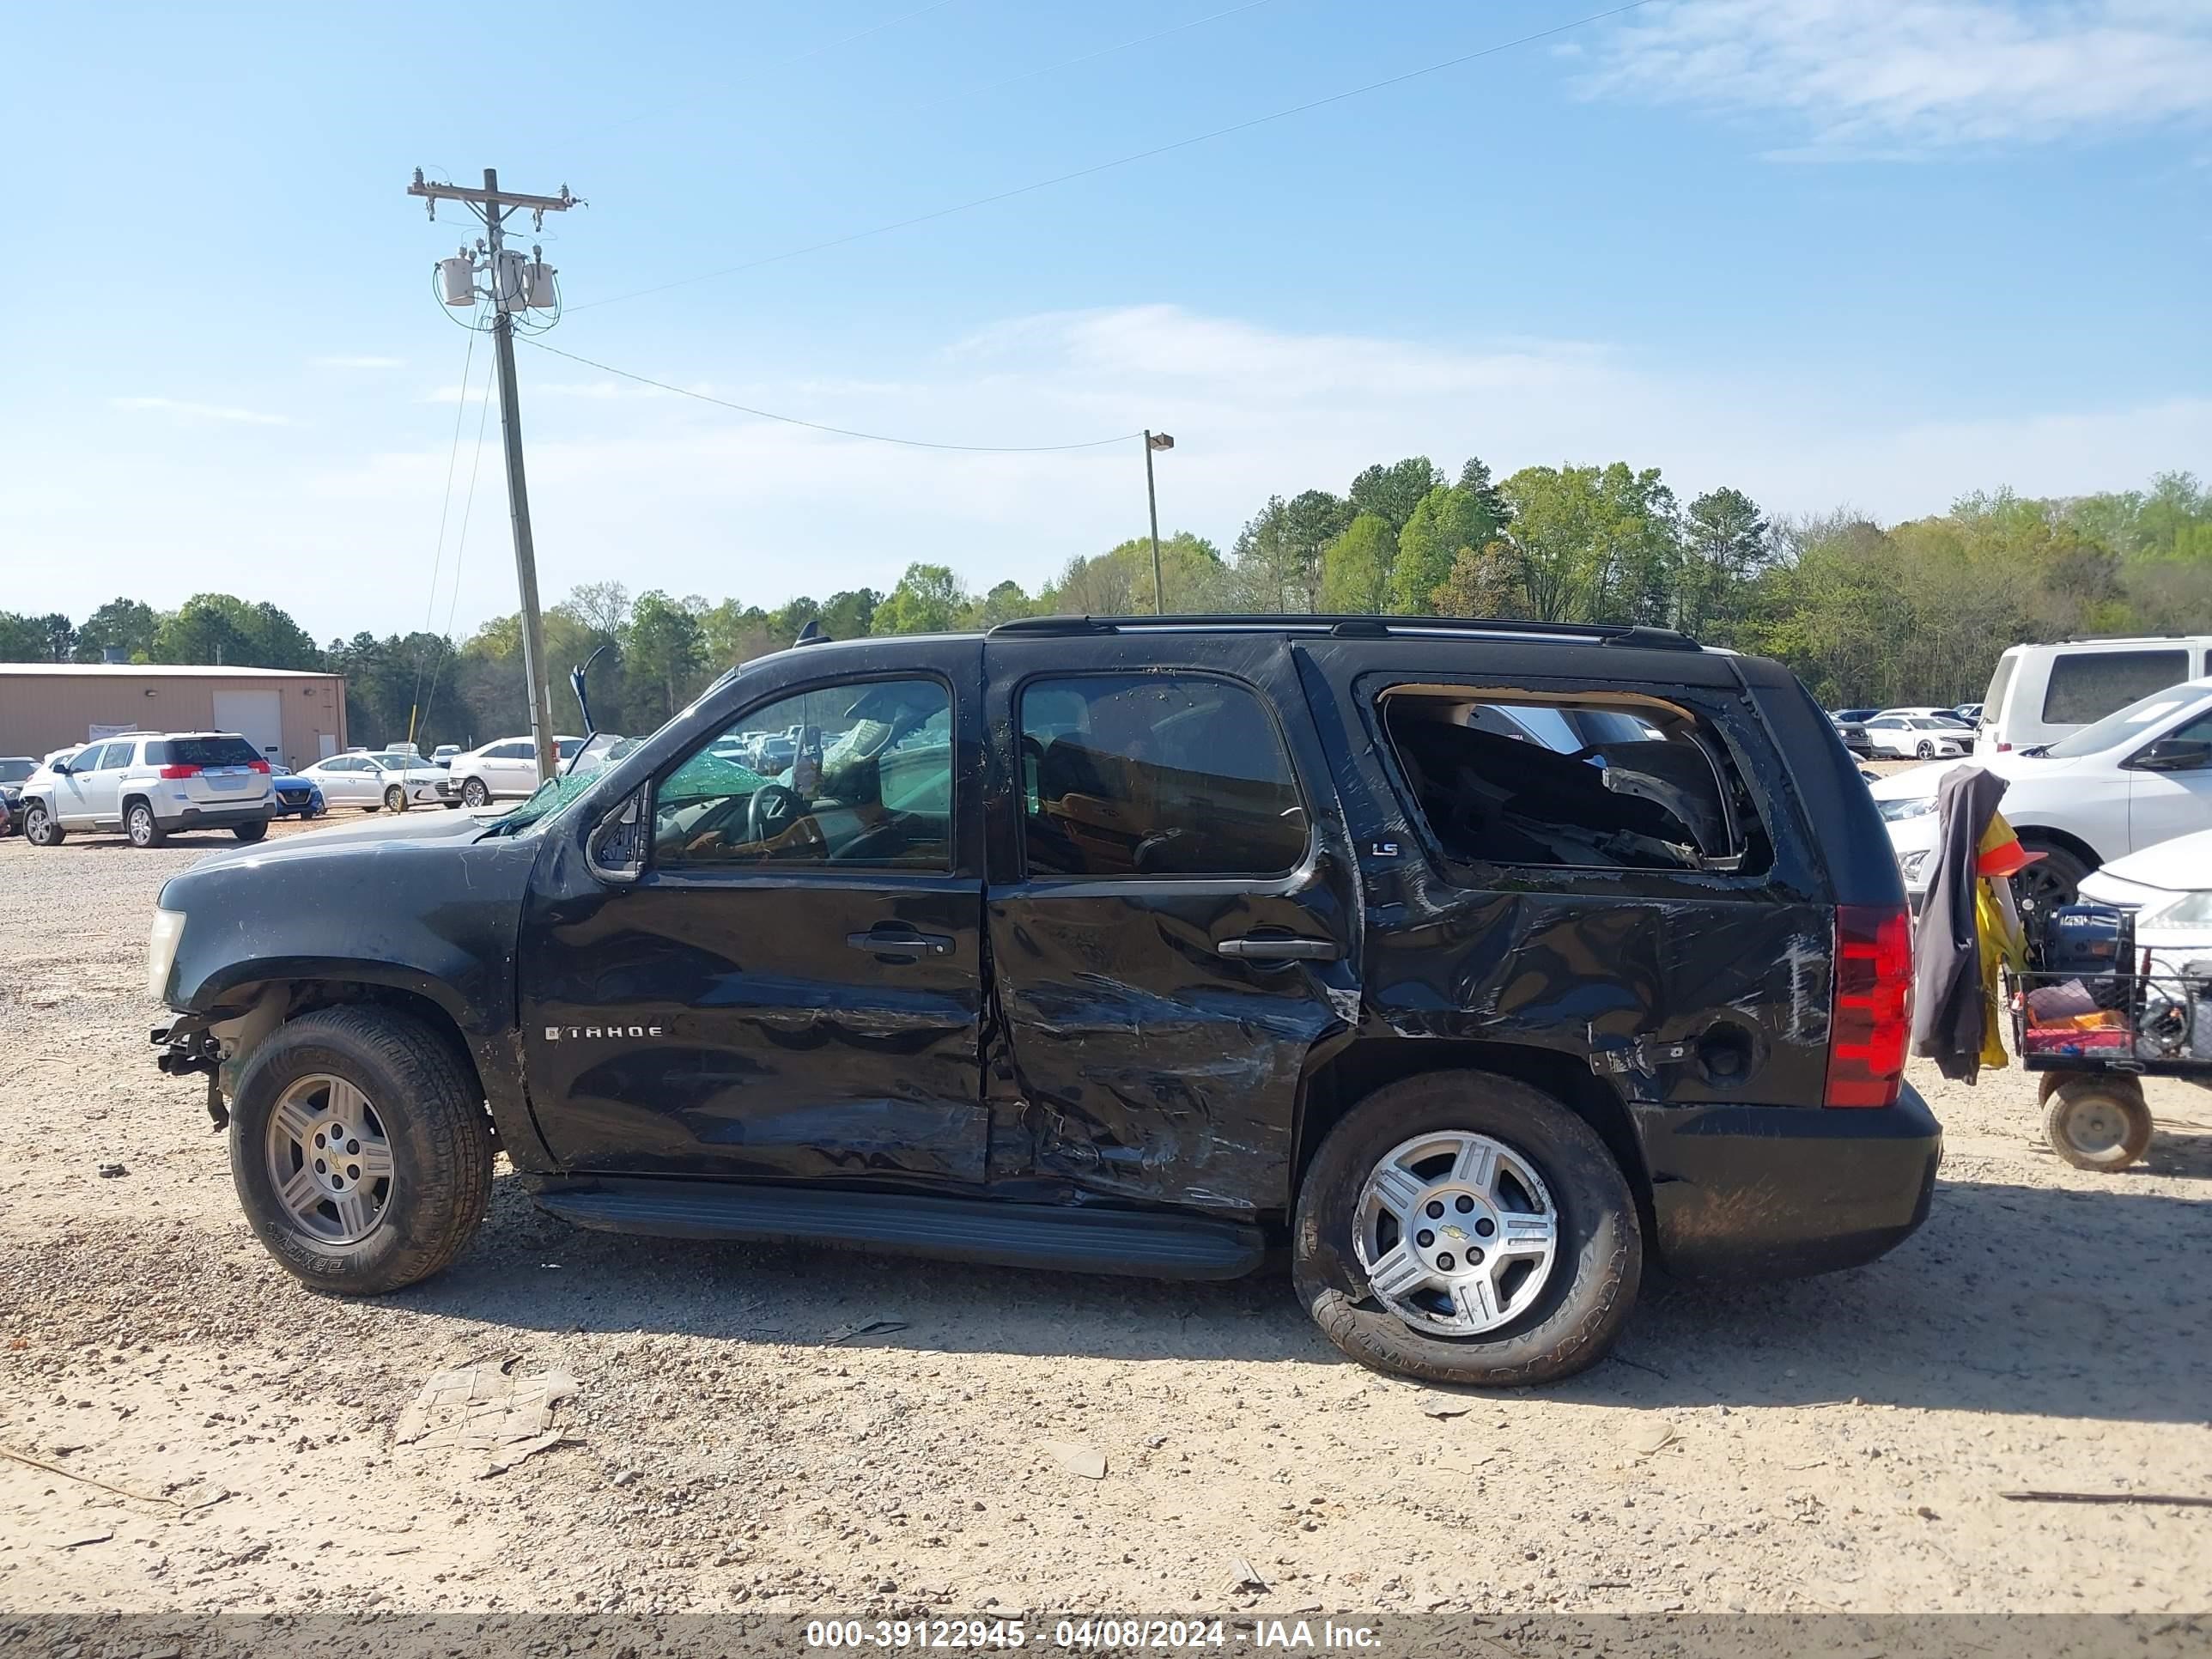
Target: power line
x,y
460,550
445,511
1123,160
840,431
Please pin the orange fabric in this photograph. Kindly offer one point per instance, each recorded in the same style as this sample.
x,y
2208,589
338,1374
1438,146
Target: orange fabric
x,y
2000,852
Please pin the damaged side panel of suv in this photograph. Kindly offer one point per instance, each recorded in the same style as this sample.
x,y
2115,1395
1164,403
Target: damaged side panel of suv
x,y
1470,964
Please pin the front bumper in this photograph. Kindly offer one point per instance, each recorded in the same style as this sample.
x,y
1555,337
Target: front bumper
x,y
1778,1192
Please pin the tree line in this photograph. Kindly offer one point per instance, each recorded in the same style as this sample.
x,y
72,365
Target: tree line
x,y
1865,614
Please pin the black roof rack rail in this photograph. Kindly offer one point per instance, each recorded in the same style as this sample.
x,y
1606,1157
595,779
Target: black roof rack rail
x,y
1634,634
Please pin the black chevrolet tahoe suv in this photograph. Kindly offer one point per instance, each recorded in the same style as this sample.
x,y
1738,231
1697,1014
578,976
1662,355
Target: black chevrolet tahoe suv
x,y
1479,966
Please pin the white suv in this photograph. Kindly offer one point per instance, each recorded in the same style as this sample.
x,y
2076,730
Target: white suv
x,y
150,785
505,771
2139,776
2039,694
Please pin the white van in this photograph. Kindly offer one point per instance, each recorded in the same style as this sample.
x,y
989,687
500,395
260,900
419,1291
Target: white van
x,y
2041,693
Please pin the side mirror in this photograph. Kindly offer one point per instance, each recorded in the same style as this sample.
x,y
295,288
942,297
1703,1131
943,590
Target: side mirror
x,y
2174,755
616,849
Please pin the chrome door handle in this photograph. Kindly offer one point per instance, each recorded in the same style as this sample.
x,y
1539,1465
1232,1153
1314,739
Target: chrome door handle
x,y
913,945
1262,948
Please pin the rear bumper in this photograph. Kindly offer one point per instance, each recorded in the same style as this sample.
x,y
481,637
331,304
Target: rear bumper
x,y
215,818
1784,1191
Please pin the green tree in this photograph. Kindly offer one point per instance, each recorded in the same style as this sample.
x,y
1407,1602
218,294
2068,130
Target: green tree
x,y
929,600
1593,543
218,627
1004,603
1355,575
1391,493
1725,542
1119,581
732,634
851,614
1467,517
1275,570
664,649
123,625
22,639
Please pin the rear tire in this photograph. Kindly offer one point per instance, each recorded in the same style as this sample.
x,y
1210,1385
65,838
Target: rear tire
x,y
432,1121
141,826
250,831
2098,1123
1563,1324
41,828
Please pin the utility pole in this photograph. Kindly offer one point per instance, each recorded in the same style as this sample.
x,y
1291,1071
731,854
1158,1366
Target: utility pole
x,y
1154,440
515,286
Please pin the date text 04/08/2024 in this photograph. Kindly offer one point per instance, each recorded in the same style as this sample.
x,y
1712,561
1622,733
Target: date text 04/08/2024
x,y
1116,1633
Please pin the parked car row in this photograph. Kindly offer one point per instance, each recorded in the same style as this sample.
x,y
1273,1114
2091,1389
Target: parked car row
x,y
2139,776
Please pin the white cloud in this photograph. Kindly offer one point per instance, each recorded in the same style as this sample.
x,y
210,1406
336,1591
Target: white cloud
x,y
192,412
1908,76
666,492
356,362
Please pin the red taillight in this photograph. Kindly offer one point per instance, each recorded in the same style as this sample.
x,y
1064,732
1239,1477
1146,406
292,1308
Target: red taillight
x,y
261,767
1873,1020
180,771
2004,748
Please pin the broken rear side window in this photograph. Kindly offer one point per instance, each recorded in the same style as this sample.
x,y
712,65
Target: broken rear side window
x,y
1598,784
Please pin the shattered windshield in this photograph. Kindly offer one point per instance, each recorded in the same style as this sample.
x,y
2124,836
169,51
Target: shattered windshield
x,y
597,755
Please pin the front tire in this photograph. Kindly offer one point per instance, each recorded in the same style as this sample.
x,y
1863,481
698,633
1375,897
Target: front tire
x,y
2053,879
1534,1256
474,792
41,828
1926,750
395,799
2098,1123
360,1150
141,825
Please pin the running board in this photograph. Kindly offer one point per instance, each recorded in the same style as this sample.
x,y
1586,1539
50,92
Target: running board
x,y
1006,1234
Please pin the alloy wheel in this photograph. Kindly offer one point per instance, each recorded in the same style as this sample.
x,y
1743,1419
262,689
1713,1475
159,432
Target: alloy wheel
x,y
330,1161
473,791
1456,1233
38,826
141,826
395,799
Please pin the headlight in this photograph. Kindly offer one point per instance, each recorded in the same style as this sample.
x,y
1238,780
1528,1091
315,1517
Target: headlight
x,y
162,951
1910,806
1909,866
2184,910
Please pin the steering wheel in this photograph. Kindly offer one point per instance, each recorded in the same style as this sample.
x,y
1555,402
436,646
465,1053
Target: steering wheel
x,y
775,807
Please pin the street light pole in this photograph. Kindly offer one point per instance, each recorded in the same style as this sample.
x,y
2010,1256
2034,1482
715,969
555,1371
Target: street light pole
x,y
1154,440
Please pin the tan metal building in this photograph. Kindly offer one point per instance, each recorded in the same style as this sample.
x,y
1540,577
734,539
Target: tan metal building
x,y
297,718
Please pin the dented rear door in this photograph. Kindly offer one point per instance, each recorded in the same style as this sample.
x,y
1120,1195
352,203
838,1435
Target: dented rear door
x,y
1170,915
1678,988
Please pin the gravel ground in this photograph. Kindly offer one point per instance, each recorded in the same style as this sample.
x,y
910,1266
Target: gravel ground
x,y
1838,1443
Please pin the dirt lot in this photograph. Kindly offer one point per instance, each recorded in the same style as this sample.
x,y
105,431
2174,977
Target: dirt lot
x,y
1838,1443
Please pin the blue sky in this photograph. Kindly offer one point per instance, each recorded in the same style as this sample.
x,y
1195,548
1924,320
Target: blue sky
x,y
1827,252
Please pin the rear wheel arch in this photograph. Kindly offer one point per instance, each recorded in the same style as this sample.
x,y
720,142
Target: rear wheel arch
x,y
1351,1074
2043,834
